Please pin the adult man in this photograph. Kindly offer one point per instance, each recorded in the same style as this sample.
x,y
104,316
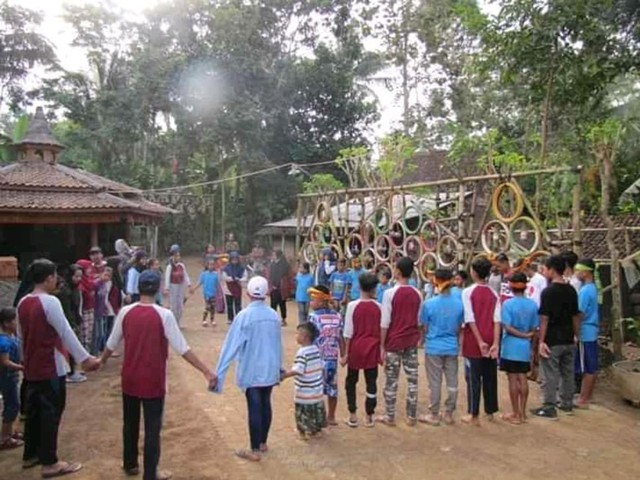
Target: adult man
x,y
46,337
559,325
278,276
254,339
400,335
147,330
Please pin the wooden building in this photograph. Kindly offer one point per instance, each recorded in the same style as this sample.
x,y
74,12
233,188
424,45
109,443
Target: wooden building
x,y
51,210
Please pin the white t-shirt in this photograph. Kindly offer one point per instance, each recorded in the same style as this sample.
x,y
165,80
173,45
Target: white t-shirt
x,y
536,285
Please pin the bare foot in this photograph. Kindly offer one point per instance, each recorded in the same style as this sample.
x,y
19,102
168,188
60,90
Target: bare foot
x,y
448,418
411,422
332,422
471,420
491,417
389,422
264,448
248,455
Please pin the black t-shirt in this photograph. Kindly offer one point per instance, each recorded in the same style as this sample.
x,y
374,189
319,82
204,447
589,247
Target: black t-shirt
x,y
559,302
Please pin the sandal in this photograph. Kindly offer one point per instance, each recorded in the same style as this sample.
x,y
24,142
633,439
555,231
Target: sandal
x,y
11,443
18,436
386,421
67,469
247,455
369,421
27,464
351,423
430,419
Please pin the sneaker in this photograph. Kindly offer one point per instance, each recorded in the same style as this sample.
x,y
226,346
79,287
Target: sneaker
x,y
76,378
548,412
566,410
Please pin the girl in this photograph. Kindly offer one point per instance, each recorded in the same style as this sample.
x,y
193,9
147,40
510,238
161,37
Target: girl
x,y
176,282
70,295
304,281
138,266
108,303
234,275
88,291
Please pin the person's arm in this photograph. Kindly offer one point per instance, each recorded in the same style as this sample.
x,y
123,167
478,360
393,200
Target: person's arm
x,y
167,278
494,350
233,344
385,320
187,279
55,318
297,368
543,348
424,320
8,364
348,331
470,321
115,338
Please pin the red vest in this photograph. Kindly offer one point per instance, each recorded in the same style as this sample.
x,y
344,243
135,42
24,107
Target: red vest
x,y
177,273
146,349
39,340
364,346
403,331
483,303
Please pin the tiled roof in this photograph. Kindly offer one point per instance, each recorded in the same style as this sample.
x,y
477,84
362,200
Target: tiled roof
x,y
595,242
38,173
57,200
38,132
621,220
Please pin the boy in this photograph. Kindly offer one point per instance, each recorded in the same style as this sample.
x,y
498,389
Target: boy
x,y
399,338
108,303
384,279
362,347
339,280
480,341
330,343
586,364
46,334
147,331
209,281
307,370
353,285
304,281
9,376
570,277
460,280
442,317
559,324
519,317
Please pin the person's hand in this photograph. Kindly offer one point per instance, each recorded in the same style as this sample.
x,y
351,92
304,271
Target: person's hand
x,y
91,364
343,360
494,350
531,335
544,350
212,380
484,349
382,355
166,291
127,299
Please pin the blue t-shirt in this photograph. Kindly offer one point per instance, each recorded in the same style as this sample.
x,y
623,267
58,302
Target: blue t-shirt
x,y
10,345
339,282
380,289
443,316
354,282
520,313
588,305
209,281
456,292
304,281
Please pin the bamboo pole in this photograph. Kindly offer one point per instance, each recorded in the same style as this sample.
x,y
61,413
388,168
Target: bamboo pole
x,y
575,217
453,181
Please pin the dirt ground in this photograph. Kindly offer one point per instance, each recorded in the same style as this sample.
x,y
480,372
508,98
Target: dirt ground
x,y
201,431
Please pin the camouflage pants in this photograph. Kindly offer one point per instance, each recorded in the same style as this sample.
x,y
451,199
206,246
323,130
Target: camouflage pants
x,y
408,360
310,418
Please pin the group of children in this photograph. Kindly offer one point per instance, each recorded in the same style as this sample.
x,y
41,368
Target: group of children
x,y
544,313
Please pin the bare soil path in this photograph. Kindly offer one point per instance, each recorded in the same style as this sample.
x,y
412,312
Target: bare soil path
x,y
201,431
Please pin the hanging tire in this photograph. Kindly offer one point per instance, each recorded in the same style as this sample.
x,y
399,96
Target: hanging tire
x,y
524,236
509,193
495,237
447,251
427,265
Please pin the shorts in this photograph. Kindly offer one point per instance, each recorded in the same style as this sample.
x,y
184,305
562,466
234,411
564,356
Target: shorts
x,y
210,305
310,418
330,379
587,358
10,399
514,366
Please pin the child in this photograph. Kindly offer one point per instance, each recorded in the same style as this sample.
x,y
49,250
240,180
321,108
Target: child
x,y
88,290
384,283
442,316
520,321
339,280
362,347
329,325
586,365
304,281
133,274
9,376
307,370
481,341
210,281
460,280
208,255
353,285
399,338
154,264
176,283
108,303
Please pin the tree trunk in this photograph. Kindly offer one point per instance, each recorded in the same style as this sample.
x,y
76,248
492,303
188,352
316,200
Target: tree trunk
x,y
544,128
606,165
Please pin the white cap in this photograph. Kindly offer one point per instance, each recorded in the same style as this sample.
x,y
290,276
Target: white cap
x,y
258,287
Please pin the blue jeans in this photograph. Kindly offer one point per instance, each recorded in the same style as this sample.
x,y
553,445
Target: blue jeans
x,y
101,331
10,399
259,406
303,312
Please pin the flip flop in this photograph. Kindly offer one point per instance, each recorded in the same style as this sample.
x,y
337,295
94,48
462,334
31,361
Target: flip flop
x,y
247,455
386,421
11,443
18,436
26,465
350,423
67,469
369,422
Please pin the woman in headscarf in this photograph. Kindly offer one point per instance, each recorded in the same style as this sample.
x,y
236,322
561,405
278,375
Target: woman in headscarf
x,y
88,291
234,275
176,281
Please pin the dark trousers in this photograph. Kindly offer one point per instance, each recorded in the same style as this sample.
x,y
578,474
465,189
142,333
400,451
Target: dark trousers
x,y
259,406
152,409
234,305
370,378
483,377
45,402
278,301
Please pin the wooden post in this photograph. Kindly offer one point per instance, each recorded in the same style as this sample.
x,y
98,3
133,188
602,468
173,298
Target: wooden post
x,y
94,234
462,234
298,228
212,204
575,216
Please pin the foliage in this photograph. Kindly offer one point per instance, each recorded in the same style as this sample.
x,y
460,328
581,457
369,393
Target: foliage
x,y
322,182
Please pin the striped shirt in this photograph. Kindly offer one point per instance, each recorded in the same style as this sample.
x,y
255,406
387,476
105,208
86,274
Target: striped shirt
x,y
308,381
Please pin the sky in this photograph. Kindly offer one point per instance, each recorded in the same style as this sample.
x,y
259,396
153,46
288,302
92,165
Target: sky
x,y
73,59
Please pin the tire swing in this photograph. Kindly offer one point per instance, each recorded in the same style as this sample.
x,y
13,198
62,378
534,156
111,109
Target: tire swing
x,y
447,251
413,248
397,234
327,234
368,234
369,259
411,216
427,266
323,212
381,220
354,245
524,235
310,253
382,247
430,234
506,202
495,237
